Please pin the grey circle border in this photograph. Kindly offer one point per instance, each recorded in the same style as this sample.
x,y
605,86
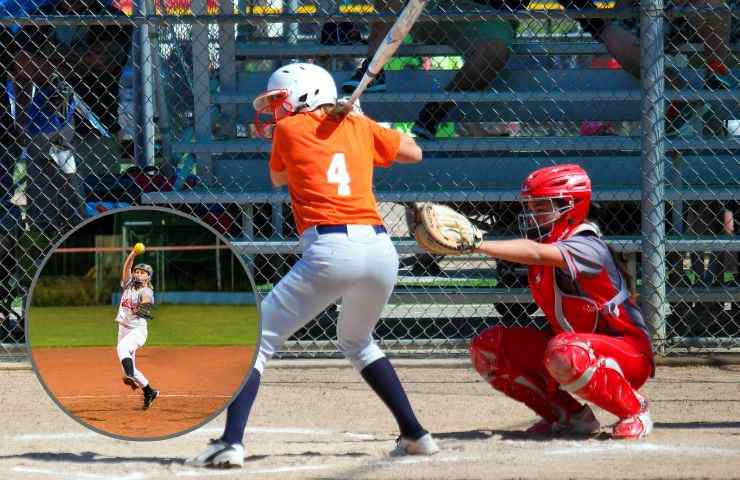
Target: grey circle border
x,y
48,256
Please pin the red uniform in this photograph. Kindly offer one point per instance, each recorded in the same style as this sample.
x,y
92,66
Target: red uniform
x,y
597,347
587,305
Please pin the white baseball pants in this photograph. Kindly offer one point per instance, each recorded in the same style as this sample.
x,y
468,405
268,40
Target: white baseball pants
x,y
129,340
360,267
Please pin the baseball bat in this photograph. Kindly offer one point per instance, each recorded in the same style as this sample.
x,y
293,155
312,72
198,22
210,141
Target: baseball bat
x,y
388,47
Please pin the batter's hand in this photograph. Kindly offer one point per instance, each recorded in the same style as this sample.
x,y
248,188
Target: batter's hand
x,y
343,107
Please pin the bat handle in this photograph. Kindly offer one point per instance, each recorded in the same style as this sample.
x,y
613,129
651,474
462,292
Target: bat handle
x,y
366,79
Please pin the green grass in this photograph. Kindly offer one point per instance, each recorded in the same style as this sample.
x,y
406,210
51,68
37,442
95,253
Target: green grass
x,y
173,325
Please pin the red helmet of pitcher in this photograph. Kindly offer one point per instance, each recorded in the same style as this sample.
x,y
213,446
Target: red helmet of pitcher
x,y
555,201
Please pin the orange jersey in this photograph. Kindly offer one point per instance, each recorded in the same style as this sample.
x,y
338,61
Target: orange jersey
x,y
330,167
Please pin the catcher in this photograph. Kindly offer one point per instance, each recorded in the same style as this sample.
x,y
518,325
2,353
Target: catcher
x,y
597,348
134,312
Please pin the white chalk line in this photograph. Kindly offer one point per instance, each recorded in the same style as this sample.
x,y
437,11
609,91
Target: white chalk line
x,y
161,395
621,447
246,471
80,475
35,437
288,431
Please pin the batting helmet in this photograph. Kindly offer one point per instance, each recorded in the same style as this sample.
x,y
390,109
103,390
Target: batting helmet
x,y
555,200
295,87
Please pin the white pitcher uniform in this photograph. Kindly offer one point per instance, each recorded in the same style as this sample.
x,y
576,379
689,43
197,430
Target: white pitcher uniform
x,y
132,329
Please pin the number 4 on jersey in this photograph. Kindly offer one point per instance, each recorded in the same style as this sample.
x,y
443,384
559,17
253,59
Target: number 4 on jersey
x,y
338,174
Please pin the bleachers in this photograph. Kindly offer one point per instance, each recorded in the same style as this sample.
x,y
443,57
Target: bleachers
x,y
523,92
482,170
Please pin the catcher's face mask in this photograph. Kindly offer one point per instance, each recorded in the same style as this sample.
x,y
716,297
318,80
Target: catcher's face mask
x,y
542,215
141,276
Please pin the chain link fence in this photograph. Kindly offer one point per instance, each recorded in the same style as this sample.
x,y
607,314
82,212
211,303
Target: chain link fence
x,y
107,105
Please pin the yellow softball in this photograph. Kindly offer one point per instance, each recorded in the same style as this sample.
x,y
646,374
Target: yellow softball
x,y
139,248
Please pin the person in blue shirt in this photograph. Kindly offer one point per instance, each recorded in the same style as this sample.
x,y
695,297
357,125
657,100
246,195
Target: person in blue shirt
x,y
55,70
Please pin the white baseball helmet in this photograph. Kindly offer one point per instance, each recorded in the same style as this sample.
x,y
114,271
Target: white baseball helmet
x,y
295,87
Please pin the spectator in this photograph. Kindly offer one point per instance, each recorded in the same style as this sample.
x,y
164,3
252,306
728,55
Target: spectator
x,y
487,53
484,44
57,70
622,40
10,322
712,218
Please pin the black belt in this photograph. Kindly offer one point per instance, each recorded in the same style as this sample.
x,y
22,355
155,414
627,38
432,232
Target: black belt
x,y
322,229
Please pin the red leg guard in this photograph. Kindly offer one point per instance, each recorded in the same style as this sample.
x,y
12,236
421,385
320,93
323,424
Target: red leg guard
x,y
489,357
574,365
531,391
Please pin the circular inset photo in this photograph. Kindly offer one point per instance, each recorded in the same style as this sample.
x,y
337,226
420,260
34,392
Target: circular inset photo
x,y
142,323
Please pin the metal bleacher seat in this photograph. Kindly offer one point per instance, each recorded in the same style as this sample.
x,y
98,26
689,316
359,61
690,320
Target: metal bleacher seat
x,y
477,169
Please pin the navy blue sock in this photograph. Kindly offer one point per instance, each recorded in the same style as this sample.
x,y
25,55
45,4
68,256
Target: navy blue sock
x,y
381,376
128,366
238,411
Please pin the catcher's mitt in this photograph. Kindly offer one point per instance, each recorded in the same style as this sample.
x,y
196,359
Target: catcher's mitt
x,y
441,230
145,310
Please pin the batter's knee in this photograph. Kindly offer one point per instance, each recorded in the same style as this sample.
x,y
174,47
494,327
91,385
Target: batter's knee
x,y
570,360
486,351
360,353
123,351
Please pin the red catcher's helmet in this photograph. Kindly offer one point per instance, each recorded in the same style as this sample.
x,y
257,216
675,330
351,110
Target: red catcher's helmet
x,y
568,189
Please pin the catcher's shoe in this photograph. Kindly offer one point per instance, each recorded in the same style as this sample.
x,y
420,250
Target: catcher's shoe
x,y
582,423
421,446
149,398
130,382
219,455
636,426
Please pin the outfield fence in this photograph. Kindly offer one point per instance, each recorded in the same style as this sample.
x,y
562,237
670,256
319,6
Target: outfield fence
x,y
107,105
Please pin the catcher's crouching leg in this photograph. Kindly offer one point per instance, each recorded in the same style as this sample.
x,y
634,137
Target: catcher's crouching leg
x,y
573,363
491,362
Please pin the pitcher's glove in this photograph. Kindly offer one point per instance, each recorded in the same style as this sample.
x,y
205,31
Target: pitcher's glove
x,y
145,310
441,230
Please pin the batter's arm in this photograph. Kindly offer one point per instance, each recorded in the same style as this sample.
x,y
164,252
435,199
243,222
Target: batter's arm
x,y
408,151
279,178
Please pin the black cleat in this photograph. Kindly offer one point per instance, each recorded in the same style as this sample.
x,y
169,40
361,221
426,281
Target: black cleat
x,y
130,382
149,398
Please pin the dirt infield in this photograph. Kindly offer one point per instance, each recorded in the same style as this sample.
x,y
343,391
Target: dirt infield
x,y
325,423
194,383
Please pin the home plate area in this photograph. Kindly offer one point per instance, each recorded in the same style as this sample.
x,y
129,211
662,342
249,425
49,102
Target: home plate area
x,y
324,422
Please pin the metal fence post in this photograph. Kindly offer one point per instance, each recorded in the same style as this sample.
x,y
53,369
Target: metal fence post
x,y
227,71
144,82
653,292
201,91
